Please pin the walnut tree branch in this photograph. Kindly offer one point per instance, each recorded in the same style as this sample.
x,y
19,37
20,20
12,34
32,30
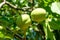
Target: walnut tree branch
x,y
15,7
1,4
15,34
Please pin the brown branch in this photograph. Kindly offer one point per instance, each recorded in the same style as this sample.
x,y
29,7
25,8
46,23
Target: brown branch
x,y
1,4
15,7
4,0
11,4
41,31
15,34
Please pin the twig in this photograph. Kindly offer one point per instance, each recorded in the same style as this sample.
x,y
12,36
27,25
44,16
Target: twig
x,y
31,4
4,0
41,31
1,4
11,4
15,34
15,7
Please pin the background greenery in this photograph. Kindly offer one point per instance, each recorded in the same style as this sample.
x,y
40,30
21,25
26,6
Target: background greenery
x,y
49,29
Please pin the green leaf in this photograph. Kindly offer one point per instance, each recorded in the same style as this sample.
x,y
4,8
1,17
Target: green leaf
x,y
1,35
55,7
55,24
50,35
48,32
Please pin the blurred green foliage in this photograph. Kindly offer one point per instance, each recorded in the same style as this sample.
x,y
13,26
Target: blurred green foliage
x,y
50,27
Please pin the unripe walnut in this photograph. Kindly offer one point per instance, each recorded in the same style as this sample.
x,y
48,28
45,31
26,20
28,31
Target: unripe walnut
x,y
38,14
23,21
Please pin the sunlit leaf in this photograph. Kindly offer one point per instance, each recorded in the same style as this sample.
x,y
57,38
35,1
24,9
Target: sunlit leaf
x,y
55,7
1,35
55,24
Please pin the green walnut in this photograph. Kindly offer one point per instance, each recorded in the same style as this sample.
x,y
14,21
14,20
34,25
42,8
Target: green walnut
x,y
23,21
38,14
